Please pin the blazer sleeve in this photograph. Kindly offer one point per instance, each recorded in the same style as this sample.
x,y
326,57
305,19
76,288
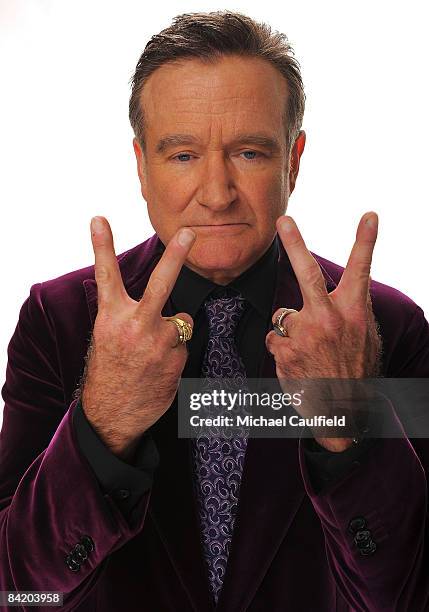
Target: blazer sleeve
x,y
374,517
125,482
57,525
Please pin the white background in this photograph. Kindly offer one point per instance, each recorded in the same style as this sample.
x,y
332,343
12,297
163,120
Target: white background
x,y
65,141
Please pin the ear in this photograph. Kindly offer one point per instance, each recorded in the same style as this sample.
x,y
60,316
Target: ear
x,y
141,167
295,156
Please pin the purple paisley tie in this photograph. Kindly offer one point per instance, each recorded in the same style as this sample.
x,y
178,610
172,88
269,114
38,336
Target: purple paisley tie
x,y
218,459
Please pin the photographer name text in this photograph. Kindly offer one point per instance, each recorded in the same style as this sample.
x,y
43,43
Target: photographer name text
x,y
261,421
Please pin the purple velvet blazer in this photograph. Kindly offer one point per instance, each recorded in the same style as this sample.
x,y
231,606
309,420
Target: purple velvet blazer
x,y
291,549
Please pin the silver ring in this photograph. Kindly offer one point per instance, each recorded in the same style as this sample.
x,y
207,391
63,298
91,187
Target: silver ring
x,y
278,327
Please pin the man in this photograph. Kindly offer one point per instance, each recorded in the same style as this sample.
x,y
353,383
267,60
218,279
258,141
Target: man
x,y
100,498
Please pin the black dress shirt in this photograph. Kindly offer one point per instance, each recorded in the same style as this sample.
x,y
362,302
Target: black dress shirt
x,y
127,482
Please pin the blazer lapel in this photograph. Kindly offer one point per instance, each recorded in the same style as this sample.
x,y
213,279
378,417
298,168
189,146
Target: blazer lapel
x,y
271,490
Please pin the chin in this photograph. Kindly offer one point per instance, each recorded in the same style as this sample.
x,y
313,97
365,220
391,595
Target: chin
x,y
221,256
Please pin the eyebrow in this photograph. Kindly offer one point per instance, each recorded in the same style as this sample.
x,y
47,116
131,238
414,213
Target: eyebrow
x,y
263,140
172,140
259,139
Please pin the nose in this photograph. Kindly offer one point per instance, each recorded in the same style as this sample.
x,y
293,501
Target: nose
x,y
216,190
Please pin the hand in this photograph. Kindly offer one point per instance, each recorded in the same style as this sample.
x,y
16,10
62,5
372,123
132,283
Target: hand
x,y
335,334
133,364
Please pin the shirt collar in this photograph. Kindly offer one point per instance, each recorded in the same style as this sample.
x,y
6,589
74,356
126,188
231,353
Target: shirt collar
x,y
256,285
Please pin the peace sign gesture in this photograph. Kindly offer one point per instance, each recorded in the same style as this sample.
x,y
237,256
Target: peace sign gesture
x,y
335,334
134,362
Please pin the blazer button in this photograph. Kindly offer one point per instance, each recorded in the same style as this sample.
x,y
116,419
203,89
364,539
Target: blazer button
x,y
121,494
72,563
80,553
362,538
369,549
356,524
87,543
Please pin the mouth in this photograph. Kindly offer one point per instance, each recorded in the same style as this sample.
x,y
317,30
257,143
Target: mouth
x,y
220,227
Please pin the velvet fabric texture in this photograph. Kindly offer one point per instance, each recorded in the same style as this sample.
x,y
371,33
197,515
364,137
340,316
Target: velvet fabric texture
x,y
291,548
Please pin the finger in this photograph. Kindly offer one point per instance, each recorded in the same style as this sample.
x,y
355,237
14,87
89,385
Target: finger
x,y
269,339
110,287
354,284
275,343
164,275
306,268
171,328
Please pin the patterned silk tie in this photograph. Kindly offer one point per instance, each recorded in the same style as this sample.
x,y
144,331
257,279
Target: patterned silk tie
x,y
218,460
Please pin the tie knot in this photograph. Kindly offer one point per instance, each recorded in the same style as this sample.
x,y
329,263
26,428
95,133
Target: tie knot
x,y
223,315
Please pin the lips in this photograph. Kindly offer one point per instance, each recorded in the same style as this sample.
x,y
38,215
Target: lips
x,y
226,229
219,224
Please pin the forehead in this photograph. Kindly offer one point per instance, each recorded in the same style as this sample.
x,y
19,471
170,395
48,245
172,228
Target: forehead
x,y
228,95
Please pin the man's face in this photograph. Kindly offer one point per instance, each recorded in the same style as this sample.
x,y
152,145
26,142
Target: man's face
x,y
216,159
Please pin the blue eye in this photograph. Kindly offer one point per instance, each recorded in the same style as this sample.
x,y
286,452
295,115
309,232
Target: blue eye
x,y
183,157
250,155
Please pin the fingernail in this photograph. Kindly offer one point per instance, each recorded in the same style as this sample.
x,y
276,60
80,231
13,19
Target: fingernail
x,y
185,237
97,225
287,224
372,221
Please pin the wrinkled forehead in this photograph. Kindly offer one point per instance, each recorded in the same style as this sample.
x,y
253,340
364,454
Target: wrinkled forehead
x,y
224,96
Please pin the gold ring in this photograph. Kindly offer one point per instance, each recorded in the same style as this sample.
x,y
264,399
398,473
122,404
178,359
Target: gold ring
x,y
278,327
183,327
